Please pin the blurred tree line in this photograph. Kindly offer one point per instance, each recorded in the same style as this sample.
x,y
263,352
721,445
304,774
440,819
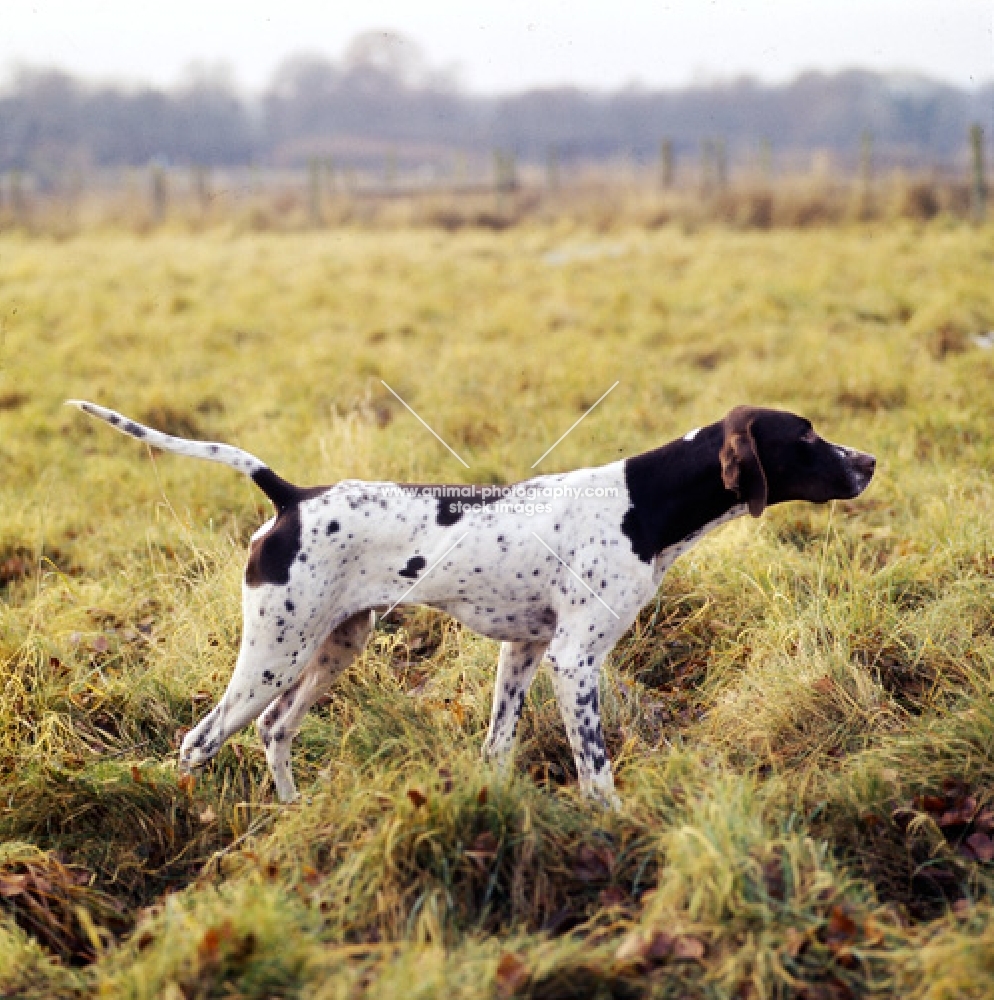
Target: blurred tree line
x,y
381,98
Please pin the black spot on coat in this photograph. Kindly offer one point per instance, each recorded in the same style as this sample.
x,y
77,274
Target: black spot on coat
x,y
414,566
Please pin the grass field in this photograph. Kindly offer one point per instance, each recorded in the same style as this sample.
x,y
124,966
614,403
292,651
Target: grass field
x,y
802,723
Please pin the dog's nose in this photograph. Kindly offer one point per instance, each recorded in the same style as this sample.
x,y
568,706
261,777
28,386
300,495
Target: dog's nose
x,y
864,463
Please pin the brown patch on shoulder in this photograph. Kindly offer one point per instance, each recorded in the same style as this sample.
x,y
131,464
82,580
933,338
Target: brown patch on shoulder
x,y
253,571
272,555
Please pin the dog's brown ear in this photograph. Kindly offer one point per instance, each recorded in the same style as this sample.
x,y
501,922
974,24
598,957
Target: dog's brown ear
x,y
741,470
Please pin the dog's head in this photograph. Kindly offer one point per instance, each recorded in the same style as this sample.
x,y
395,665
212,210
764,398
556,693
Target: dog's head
x,y
769,456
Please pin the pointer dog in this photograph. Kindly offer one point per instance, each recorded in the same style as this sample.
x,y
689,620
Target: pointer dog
x,y
556,568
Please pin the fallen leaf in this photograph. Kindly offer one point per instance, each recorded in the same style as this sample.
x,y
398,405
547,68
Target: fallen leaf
x,y
903,818
12,885
210,943
959,814
213,938
688,949
982,846
420,685
418,799
659,946
136,774
796,942
633,949
481,798
186,783
984,820
483,851
931,803
593,864
953,787
871,820
873,934
841,928
613,896
773,879
824,685
512,974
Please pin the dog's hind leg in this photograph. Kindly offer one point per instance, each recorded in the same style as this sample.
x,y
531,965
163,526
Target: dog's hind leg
x,y
267,666
516,668
281,721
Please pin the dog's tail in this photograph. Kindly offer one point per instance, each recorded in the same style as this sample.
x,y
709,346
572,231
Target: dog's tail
x,y
282,493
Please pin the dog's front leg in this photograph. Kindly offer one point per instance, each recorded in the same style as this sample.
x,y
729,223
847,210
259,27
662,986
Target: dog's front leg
x,y
575,672
516,667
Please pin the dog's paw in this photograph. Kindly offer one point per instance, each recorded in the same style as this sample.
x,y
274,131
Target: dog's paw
x,y
196,750
604,798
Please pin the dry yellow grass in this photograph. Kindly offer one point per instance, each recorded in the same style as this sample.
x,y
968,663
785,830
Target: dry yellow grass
x,y
802,723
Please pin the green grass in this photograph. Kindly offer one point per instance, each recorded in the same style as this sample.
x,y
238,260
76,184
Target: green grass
x,y
802,723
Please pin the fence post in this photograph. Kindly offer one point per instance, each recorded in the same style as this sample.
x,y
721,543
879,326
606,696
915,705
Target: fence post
x,y
766,161
18,199
707,159
314,191
505,177
666,164
552,169
330,177
74,193
978,190
866,174
202,188
720,164
498,181
159,193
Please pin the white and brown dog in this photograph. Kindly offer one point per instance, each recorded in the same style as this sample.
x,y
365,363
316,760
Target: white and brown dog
x,y
555,568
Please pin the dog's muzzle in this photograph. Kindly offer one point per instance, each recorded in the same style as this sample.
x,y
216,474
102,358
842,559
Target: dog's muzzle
x,y
862,465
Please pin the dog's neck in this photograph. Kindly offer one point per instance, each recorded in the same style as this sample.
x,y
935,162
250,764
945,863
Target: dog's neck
x,y
676,492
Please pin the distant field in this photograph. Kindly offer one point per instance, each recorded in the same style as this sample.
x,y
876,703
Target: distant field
x,y
802,724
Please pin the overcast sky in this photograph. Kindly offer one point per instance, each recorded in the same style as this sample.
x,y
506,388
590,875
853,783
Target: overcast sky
x,y
506,45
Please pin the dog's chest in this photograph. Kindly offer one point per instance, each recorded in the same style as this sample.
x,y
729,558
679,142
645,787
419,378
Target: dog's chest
x,y
662,562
